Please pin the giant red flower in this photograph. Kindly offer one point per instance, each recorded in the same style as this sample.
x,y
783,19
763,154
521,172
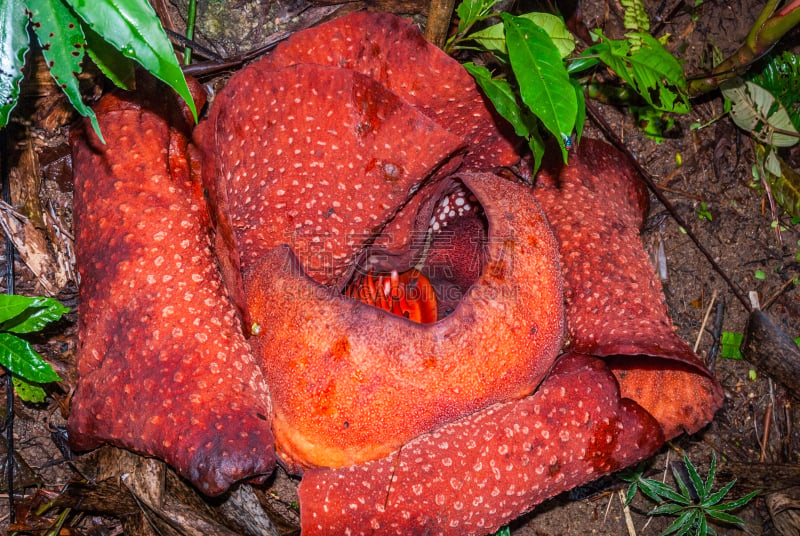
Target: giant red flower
x,y
437,347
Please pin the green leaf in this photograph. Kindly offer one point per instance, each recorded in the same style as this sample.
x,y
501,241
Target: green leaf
x,y
755,110
781,77
717,496
28,314
27,391
668,509
738,503
62,40
697,482
499,92
651,71
134,29
470,11
726,518
731,344
685,520
493,38
13,46
12,305
543,81
118,68
760,275
21,359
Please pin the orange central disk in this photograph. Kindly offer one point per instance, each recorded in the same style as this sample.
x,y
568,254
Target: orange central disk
x,y
409,294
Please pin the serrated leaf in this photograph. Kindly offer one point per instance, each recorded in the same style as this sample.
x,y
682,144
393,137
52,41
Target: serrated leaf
x,y
727,518
61,36
712,474
543,81
499,92
21,359
685,520
668,509
134,29
36,316
738,503
755,110
13,46
118,68
697,482
714,498
493,37
651,71
27,391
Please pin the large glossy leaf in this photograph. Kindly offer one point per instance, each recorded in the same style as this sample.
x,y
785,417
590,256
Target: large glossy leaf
x,y
118,68
21,359
493,37
134,29
62,40
543,81
35,315
499,92
13,45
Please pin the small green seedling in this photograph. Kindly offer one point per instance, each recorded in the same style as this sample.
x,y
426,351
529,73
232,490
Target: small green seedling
x,y
20,315
693,503
704,213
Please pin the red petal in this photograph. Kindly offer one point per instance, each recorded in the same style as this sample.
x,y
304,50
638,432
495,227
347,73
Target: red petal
x,y
164,368
351,382
393,52
316,157
476,474
614,301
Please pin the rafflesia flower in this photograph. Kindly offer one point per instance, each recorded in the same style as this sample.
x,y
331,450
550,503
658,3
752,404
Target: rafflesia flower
x,y
433,344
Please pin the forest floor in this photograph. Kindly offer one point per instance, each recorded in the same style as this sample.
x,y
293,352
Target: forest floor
x,y
707,175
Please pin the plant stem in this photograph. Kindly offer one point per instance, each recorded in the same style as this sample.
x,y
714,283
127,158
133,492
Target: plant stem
x,y
9,468
190,17
766,31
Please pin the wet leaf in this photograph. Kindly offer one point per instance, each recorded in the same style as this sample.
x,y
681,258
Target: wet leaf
x,y
470,11
62,40
118,68
13,46
543,81
23,314
134,29
21,359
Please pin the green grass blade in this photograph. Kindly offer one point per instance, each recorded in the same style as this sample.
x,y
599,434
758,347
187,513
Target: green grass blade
x,y
63,44
21,359
134,29
13,46
543,81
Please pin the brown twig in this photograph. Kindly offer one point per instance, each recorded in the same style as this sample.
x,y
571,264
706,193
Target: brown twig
x,y
439,15
765,434
777,295
648,180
